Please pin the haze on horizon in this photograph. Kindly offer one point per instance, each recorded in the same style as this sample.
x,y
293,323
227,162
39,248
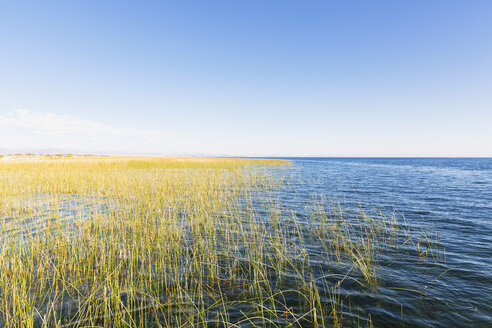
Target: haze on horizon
x,y
250,78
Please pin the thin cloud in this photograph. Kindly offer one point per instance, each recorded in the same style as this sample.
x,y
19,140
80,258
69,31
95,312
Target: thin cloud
x,y
52,124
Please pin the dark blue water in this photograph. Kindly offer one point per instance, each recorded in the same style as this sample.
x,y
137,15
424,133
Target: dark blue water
x,y
452,196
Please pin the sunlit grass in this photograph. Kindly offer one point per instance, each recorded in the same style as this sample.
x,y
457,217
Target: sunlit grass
x,y
174,242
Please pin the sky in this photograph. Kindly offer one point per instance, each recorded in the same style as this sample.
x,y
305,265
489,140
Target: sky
x,y
247,78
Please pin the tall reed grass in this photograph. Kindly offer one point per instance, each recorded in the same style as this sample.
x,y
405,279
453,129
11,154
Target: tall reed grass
x,y
177,242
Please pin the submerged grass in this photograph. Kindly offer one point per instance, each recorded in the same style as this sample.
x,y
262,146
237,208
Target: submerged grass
x,y
177,242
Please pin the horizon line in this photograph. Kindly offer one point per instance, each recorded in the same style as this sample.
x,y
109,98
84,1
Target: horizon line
x,y
131,154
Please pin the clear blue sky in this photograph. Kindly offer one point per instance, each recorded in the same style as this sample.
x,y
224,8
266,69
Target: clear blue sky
x,y
332,78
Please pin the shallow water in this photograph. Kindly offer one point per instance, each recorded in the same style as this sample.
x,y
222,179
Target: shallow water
x,y
453,197
34,214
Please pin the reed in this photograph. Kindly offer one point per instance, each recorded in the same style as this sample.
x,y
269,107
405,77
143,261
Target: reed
x,y
175,242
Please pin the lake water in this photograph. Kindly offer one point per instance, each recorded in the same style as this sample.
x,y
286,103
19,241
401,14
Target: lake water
x,y
453,196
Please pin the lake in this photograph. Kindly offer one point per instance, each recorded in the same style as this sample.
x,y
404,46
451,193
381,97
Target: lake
x,y
451,196
314,242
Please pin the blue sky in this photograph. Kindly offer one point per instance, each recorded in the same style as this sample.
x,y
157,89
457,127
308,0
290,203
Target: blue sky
x,y
264,78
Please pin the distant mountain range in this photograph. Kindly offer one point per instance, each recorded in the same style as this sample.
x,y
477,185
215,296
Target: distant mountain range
x,y
52,151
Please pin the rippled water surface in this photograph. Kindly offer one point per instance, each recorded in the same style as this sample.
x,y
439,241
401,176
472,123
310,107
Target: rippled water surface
x,y
453,197
448,202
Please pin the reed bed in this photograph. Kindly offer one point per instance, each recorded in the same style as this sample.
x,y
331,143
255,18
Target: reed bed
x,y
179,242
